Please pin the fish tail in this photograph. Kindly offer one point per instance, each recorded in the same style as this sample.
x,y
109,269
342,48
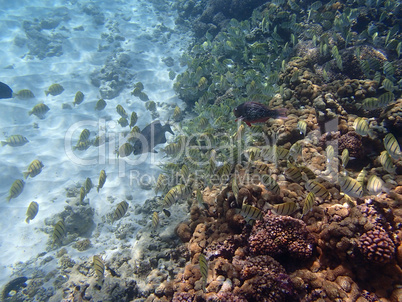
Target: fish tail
x,y
281,113
27,220
30,112
3,143
97,189
25,174
8,198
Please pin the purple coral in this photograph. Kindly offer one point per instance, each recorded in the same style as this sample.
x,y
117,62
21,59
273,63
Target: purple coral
x,y
264,279
353,142
376,246
276,235
183,297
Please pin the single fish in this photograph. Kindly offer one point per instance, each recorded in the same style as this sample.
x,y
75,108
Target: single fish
x,y
350,186
120,211
88,185
155,220
151,135
161,183
24,94
99,267
270,184
302,126
100,104
79,98
250,212
284,209
102,180
133,119
39,110
125,150
5,91
15,140
386,162
59,232
34,168
318,189
392,146
166,212
345,157
375,185
203,269
253,112
361,126
308,203
54,89
33,209
16,189
120,110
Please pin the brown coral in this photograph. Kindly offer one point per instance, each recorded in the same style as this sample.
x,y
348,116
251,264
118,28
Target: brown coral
x,y
376,246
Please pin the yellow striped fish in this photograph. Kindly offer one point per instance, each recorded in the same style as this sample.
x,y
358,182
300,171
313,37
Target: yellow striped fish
x,y
120,110
155,220
120,211
375,185
102,180
310,174
308,203
125,150
361,126
171,197
386,162
82,194
59,232
79,98
16,189
34,168
33,209
24,94
82,145
16,140
293,173
345,157
39,110
295,151
161,183
250,212
261,166
362,176
184,172
133,119
284,209
302,126
172,149
203,270
350,186
392,146
330,151
281,153
270,184
88,185
99,267
54,89
84,135
318,189
100,104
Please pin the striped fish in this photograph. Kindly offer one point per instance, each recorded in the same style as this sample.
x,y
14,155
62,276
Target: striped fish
x,y
330,151
392,146
293,173
310,174
88,185
281,153
261,166
82,145
284,209
295,151
39,110
203,270
350,186
32,210
100,104
345,157
54,89
99,267
250,212
184,172
318,189
172,149
120,110
83,193
224,169
16,189
34,168
102,180
125,150
362,176
270,184
24,94
386,162
79,98
120,211
171,197
59,232
133,119
375,185
302,126
361,126
155,220
308,203
84,135
161,183
15,141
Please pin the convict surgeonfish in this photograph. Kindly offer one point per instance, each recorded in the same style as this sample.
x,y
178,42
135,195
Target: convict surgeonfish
x,y
33,209
125,150
308,203
270,184
345,157
120,110
99,267
203,269
24,94
330,151
34,168
386,162
79,98
155,220
5,91
16,189
293,173
318,189
392,146
133,119
250,213
361,126
54,89
59,232
253,112
375,185
350,186
284,209
15,140
100,104
295,151
82,145
83,193
39,110
151,135
302,126
102,180
88,185
120,211
161,183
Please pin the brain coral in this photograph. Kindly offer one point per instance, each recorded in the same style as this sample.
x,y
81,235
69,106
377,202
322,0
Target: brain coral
x,y
276,235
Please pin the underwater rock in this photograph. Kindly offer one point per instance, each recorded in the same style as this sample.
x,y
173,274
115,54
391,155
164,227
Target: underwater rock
x,y
278,235
353,142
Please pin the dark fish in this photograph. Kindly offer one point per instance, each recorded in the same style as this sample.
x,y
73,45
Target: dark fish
x,y
151,135
252,112
5,91
13,285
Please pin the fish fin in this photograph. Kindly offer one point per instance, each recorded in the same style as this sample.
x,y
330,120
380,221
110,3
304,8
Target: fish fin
x,y
25,174
248,124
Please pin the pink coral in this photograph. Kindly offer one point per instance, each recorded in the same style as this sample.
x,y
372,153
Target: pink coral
x,y
276,235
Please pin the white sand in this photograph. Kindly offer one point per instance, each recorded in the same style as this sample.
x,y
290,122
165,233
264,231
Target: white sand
x,y
64,167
